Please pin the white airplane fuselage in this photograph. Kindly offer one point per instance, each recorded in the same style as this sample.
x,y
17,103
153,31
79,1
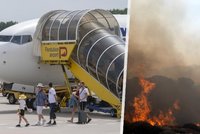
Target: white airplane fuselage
x,y
18,63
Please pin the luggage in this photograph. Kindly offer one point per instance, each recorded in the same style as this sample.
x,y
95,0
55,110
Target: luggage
x,y
82,117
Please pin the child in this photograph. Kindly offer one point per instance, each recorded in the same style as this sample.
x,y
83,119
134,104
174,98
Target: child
x,y
21,112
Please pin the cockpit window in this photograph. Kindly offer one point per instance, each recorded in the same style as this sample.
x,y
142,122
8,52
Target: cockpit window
x,y
5,38
16,39
26,39
21,39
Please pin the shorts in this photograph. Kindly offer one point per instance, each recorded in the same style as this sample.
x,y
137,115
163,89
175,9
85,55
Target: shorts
x,y
39,110
73,102
21,112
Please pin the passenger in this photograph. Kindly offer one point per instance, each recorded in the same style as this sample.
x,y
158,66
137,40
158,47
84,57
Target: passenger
x,y
41,101
73,102
52,104
83,94
21,111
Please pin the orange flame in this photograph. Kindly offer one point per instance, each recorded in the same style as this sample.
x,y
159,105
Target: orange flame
x,y
142,108
141,104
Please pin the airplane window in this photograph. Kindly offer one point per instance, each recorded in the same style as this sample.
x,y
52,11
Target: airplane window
x,y
26,39
16,39
5,38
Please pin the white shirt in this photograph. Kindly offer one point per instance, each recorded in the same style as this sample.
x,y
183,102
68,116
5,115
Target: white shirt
x,y
51,95
22,104
83,92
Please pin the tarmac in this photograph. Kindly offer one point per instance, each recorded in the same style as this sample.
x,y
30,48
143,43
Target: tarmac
x,y
101,123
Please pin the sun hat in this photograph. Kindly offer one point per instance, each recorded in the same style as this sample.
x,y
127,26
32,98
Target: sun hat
x,y
40,85
22,97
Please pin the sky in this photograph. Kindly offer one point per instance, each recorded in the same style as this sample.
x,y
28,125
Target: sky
x,y
21,10
193,14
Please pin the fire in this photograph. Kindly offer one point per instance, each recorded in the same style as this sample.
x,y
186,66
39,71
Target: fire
x,y
142,107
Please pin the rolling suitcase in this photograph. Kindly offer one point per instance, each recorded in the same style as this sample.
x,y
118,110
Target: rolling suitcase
x,y
82,117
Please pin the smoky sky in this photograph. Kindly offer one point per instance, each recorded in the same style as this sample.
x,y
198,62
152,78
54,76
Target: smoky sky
x,y
161,41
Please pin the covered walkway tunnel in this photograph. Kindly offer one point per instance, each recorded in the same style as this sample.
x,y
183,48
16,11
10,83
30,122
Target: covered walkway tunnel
x,y
99,49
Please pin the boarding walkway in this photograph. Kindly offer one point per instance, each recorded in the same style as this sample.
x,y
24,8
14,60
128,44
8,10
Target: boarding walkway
x,y
88,43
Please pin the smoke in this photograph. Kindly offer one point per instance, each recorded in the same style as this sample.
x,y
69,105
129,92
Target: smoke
x,y
160,42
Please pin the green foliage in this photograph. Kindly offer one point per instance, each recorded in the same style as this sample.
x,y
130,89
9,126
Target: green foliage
x,y
119,11
4,25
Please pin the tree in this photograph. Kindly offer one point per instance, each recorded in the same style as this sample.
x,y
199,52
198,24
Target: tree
x,y
119,11
4,25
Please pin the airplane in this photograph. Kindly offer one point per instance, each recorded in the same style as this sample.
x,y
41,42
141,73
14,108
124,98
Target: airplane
x,y
19,65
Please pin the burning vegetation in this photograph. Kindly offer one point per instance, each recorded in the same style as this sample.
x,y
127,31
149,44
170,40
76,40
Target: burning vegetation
x,y
159,104
142,107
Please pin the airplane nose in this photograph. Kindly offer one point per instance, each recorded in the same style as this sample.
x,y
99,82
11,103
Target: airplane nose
x,y
3,59
3,52
3,43
3,46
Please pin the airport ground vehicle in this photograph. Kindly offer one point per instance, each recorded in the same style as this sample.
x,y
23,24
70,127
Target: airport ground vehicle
x,y
101,106
1,90
14,90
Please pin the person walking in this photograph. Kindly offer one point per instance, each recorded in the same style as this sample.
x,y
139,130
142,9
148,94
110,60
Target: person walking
x,y
52,104
41,101
21,111
73,103
83,94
